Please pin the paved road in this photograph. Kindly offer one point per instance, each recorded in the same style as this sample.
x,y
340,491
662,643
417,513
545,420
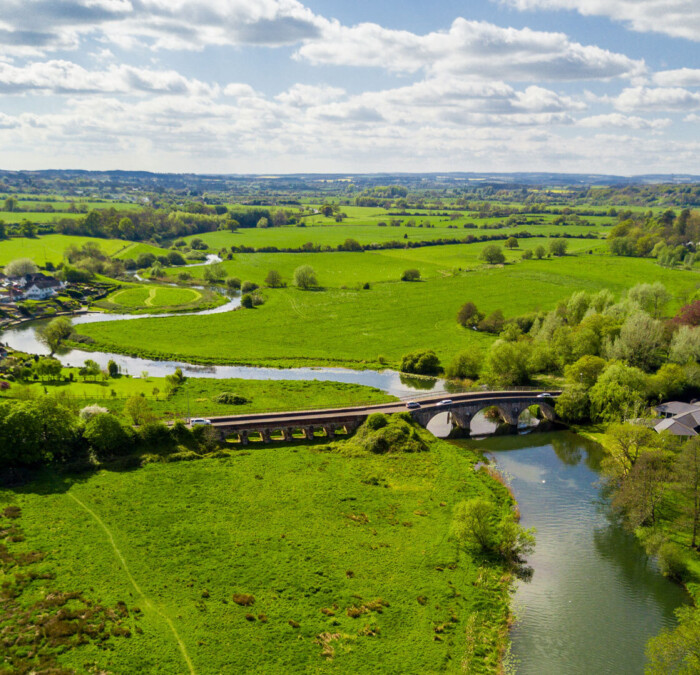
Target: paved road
x,y
327,415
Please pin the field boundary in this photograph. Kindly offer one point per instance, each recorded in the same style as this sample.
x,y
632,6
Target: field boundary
x,y
137,588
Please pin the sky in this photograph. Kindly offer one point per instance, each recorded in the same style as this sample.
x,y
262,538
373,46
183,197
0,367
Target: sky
x,y
291,86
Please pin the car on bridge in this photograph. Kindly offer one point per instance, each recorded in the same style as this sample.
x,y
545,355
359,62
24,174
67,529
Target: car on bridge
x,y
445,401
544,394
199,422
413,405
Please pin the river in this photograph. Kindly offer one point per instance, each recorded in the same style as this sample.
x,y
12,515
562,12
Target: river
x,y
24,338
594,598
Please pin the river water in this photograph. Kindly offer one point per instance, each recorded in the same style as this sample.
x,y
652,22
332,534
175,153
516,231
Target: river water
x,y
594,598
24,339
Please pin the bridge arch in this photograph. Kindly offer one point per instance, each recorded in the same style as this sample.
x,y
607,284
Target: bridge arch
x,y
487,419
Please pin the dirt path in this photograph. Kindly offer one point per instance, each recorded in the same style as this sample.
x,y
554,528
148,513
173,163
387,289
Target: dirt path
x,y
137,588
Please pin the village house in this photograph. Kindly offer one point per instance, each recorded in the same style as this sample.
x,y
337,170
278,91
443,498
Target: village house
x,y
35,286
680,419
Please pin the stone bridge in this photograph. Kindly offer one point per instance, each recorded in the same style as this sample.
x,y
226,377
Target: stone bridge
x,y
462,408
509,409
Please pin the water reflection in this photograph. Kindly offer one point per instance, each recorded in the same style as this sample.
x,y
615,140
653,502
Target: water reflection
x,y
594,598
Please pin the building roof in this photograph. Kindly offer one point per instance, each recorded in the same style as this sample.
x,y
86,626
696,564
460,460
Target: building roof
x,y
674,426
676,408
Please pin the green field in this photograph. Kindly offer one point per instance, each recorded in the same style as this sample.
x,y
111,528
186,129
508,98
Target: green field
x,y
355,327
50,247
197,396
331,234
153,298
132,251
300,528
349,269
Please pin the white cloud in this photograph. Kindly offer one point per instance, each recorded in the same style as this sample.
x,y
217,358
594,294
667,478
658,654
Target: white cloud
x,y
160,24
682,77
306,95
473,48
620,121
62,77
678,18
238,90
659,98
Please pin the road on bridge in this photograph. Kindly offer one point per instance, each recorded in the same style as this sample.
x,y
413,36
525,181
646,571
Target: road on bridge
x,y
319,418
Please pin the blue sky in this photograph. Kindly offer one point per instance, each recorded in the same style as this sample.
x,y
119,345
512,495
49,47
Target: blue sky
x,y
282,86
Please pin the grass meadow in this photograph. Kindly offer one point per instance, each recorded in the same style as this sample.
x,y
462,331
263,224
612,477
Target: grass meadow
x,y
342,563
197,396
50,247
366,328
332,234
350,269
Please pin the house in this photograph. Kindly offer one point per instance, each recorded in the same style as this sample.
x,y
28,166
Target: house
x,y
35,286
680,419
42,288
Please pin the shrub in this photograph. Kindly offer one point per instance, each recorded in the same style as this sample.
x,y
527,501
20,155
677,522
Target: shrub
x,y
273,279
411,275
493,323
229,398
156,435
305,277
468,315
234,283
493,255
247,301
89,411
395,435
527,254
107,436
243,599
424,362
465,365
672,562
248,287
376,421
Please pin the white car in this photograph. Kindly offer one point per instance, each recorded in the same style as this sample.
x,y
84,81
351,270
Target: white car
x,y
445,401
413,405
199,422
544,395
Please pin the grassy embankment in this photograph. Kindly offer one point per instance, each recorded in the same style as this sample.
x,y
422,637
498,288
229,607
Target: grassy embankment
x,y
346,557
372,328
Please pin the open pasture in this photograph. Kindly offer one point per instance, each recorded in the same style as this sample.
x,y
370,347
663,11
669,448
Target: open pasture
x,y
364,328
50,247
297,559
339,269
